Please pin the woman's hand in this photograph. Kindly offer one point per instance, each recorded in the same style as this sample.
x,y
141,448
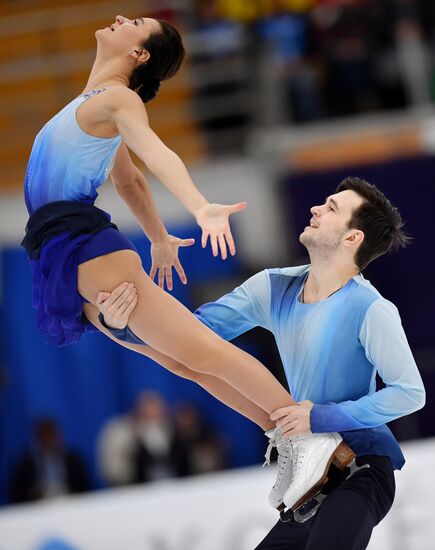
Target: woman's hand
x,y
164,255
214,222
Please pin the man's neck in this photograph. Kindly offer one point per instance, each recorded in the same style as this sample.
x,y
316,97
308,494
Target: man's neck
x,y
325,279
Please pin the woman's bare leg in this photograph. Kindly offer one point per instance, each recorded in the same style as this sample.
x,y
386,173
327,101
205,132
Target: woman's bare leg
x,y
216,387
168,327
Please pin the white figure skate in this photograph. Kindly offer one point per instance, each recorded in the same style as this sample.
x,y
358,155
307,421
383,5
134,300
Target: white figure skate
x,y
284,465
312,456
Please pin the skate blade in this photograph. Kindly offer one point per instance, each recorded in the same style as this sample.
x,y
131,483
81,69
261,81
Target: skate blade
x,y
315,490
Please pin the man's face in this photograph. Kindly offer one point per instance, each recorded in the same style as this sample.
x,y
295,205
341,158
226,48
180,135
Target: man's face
x,y
330,222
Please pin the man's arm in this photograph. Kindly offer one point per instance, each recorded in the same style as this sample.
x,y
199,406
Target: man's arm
x,y
386,347
246,307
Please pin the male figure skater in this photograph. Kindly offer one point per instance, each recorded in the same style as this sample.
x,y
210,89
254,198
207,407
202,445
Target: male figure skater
x,y
334,332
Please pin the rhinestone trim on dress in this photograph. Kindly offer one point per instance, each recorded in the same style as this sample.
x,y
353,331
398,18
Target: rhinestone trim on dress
x,y
93,92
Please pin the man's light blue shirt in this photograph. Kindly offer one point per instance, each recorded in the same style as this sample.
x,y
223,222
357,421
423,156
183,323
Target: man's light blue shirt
x,y
331,351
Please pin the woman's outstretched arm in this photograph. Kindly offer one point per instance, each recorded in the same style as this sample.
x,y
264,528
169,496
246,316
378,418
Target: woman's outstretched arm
x,y
133,188
131,120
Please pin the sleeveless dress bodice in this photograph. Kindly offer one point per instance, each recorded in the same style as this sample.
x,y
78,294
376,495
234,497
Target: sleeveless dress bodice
x,y
66,163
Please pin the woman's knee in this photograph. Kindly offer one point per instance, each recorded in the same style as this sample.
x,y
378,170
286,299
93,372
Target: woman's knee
x,y
188,374
208,359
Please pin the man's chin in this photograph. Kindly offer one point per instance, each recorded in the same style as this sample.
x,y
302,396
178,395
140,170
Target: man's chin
x,y
303,238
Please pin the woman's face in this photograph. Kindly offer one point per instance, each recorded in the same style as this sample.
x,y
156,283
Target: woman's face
x,y
126,34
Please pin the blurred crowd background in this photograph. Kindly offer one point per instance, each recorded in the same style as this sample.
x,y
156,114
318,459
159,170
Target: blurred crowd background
x,y
147,443
277,102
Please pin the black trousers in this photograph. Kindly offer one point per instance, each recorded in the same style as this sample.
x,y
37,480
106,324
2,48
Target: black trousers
x,y
346,518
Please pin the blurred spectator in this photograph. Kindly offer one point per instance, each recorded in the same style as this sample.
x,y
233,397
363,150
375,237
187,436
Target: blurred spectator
x,y
49,470
341,35
240,10
329,58
412,53
154,434
222,78
196,448
289,76
115,450
148,444
136,447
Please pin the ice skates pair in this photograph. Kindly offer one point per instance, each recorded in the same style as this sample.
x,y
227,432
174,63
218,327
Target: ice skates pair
x,y
302,470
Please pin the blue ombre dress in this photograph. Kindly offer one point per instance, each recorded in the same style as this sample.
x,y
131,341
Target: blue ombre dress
x,y
65,169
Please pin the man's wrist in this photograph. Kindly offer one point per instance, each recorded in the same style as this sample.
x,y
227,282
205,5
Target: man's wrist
x,y
105,325
124,334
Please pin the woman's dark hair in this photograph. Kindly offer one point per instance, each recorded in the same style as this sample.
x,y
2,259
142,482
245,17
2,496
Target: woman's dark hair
x,y
377,218
166,55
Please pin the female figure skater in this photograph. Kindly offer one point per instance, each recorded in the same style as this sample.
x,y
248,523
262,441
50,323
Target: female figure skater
x,y
76,252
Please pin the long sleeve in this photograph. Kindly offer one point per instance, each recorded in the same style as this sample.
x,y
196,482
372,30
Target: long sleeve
x,y
246,307
386,347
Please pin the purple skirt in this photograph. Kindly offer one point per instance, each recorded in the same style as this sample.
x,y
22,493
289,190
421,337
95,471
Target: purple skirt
x,y
54,278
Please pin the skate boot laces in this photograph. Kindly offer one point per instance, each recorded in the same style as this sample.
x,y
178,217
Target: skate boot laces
x,y
285,453
272,435
298,460
285,450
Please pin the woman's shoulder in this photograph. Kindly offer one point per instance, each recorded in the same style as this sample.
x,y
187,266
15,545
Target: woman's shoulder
x,y
121,95
114,97
108,106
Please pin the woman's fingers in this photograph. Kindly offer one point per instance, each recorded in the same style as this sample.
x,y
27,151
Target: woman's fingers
x,y
179,269
168,273
222,246
186,242
204,239
214,244
161,277
230,242
153,272
236,207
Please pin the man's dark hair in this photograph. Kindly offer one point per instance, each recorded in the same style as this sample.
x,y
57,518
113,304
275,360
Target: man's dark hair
x,y
377,218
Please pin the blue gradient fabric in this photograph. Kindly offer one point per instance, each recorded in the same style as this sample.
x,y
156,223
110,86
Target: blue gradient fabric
x,y
60,236
331,351
65,229
66,163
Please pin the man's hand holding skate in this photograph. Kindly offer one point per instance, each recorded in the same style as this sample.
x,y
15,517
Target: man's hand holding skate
x,y
293,420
